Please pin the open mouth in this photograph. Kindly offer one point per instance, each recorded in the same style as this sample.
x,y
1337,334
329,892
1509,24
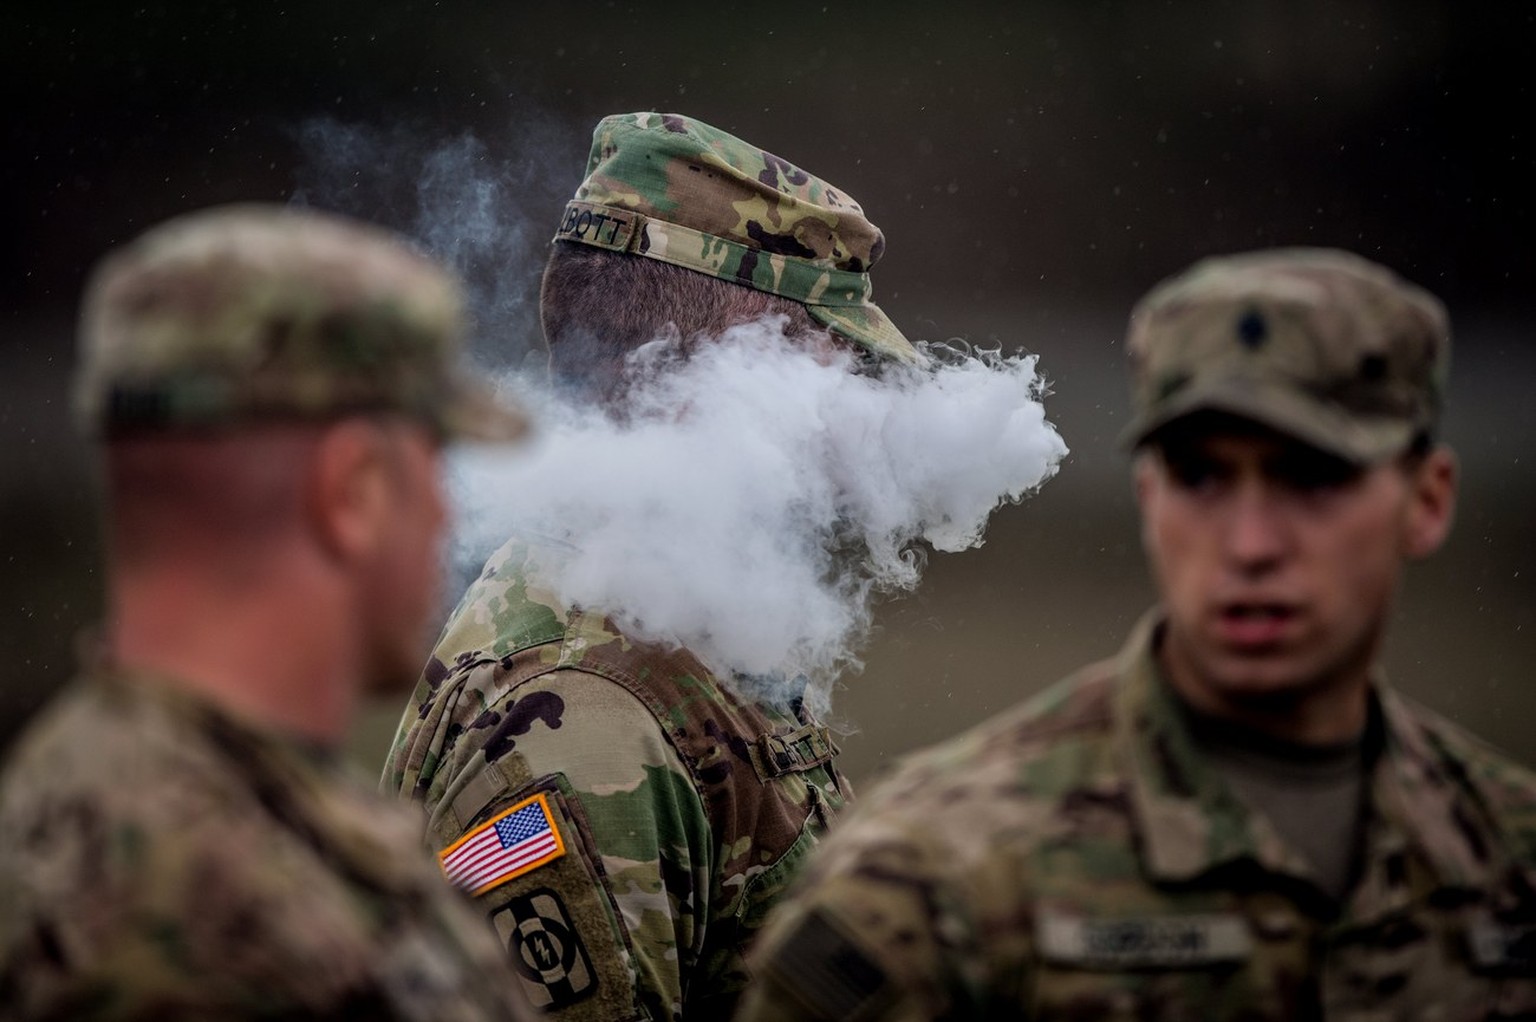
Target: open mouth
x,y
1256,611
1250,624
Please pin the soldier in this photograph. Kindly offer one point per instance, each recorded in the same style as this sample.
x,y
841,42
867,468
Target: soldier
x,y
179,837
680,809
1235,818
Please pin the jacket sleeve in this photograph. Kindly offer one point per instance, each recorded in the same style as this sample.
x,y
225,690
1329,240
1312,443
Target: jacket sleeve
x,y
604,918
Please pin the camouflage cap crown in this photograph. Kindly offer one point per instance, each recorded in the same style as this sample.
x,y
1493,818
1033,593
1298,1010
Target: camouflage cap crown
x,y
1319,344
254,311
668,187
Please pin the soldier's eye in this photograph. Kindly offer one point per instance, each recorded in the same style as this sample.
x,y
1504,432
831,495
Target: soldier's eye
x,y
1192,471
1313,472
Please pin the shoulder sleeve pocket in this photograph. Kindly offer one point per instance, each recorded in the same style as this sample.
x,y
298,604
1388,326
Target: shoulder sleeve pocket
x,y
529,860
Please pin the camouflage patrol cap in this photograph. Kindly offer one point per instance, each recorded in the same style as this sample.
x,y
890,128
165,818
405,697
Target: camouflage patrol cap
x,y
1319,344
668,187
255,311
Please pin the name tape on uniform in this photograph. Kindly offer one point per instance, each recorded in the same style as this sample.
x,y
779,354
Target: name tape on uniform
x,y
1143,941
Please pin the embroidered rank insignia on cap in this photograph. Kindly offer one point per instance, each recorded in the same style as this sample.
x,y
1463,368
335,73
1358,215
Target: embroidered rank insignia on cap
x,y
1179,941
509,844
1505,948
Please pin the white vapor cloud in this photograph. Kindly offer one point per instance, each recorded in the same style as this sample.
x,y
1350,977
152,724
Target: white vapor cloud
x,y
756,498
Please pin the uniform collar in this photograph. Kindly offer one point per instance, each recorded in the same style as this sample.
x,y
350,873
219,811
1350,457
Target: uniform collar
x,y
162,693
1424,789
504,611
1189,820
1191,823
511,607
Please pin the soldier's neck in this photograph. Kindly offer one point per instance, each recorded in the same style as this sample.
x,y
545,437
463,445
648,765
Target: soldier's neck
x,y
272,654
1321,714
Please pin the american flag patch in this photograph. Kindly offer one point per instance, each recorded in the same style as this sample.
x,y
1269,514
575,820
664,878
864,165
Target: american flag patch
x,y
507,845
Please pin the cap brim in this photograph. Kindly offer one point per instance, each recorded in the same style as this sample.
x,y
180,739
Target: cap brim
x,y
477,415
1316,423
868,326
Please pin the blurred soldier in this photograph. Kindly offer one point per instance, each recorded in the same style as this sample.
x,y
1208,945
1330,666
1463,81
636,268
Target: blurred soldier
x,y
679,810
1235,818
178,835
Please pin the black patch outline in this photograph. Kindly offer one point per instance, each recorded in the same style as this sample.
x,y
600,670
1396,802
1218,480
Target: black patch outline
x,y
556,933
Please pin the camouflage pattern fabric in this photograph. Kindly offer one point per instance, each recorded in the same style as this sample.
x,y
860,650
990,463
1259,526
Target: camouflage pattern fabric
x,y
257,311
1074,859
669,187
159,861
1317,343
681,812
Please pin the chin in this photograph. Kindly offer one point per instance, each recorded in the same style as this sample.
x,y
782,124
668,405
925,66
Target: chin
x,y
1258,672
1258,683
1265,698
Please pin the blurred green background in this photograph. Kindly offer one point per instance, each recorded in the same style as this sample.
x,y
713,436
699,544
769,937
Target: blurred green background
x,y
1035,167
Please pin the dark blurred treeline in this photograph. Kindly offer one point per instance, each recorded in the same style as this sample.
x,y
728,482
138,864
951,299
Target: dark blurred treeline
x,y
1093,144
1035,166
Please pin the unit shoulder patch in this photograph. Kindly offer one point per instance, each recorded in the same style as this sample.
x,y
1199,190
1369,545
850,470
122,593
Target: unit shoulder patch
x,y
546,950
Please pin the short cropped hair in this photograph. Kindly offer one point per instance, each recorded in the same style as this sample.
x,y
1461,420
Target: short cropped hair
x,y
596,307
166,489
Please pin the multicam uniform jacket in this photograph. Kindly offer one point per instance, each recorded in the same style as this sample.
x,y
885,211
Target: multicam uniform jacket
x,y
1075,859
667,815
160,861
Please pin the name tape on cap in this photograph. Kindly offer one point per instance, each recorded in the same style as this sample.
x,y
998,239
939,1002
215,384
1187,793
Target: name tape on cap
x,y
602,226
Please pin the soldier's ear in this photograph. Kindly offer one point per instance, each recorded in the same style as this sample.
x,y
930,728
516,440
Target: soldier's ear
x,y
1145,466
1431,504
1144,481
1142,471
348,492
